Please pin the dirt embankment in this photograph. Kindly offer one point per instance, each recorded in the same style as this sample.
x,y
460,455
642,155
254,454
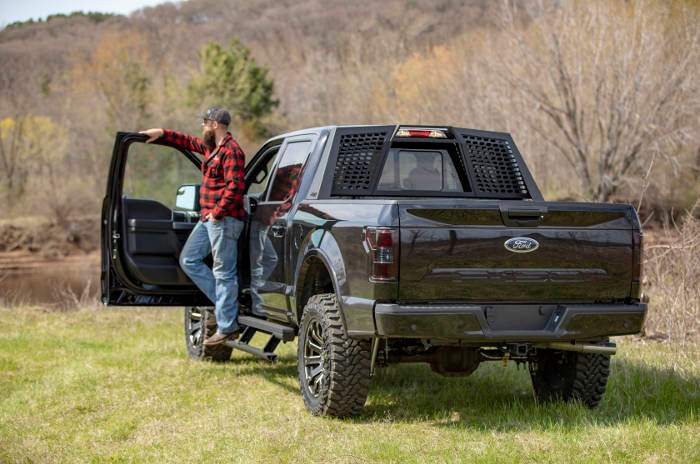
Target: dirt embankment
x,y
29,243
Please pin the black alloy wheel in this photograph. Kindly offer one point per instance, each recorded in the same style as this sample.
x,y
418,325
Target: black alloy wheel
x,y
333,368
200,323
314,358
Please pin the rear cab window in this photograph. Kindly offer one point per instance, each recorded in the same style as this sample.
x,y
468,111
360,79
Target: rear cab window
x,y
419,170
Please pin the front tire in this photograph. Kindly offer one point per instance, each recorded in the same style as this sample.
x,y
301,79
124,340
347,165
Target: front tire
x,y
570,376
200,323
334,369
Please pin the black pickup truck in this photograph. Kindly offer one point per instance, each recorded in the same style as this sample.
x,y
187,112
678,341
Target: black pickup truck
x,y
390,244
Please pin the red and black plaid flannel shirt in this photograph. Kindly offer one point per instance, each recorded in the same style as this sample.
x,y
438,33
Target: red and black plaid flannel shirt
x,y
223,170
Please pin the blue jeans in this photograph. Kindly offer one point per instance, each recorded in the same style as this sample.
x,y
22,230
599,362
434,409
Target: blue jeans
x,y
219,284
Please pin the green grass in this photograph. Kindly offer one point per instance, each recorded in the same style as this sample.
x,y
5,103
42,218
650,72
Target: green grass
x,y
116,386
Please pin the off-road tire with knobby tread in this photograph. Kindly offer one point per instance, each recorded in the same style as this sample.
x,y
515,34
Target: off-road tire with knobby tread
x,y
346,362
570,376
196,349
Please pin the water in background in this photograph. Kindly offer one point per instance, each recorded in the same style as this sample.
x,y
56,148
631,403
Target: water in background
x,y
61,283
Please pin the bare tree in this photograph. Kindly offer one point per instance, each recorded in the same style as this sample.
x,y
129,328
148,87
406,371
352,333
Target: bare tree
x,y
607,84
19,147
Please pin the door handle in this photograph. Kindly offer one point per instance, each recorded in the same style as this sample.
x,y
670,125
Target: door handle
x,y
183,225
522,216
278,231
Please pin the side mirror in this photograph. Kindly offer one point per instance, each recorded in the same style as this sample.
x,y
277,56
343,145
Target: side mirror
x,y
187,198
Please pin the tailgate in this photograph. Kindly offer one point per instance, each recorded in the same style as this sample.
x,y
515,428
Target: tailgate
x,y
455,250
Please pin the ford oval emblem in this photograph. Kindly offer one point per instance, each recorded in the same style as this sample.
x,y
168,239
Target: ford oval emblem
x,y
521,244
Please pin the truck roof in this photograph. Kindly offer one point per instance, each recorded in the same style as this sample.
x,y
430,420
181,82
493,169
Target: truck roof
x,y
317,129
320,128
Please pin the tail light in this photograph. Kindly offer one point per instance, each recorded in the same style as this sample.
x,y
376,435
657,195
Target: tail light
x,y
383,253
637,244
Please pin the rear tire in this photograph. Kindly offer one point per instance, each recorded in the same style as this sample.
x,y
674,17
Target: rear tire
x,y
333,368
570,376
200,323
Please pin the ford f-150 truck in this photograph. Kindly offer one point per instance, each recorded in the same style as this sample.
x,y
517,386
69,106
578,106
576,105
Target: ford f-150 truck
x,y
382,244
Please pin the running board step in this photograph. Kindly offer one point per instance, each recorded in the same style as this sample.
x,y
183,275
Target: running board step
x,y
266,353
284,333
251,325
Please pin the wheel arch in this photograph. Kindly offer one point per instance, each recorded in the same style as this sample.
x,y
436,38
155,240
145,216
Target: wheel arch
x,y
316,275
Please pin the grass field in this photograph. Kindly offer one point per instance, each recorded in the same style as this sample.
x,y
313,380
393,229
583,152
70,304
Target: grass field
x,y
116,386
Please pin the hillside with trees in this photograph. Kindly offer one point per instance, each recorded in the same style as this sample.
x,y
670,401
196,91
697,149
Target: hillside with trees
x,y
602,97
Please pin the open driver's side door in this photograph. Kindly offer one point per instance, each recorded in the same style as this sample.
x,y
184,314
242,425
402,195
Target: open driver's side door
x,y
142,231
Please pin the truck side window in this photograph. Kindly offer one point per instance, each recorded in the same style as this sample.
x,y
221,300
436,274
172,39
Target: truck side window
x,y
288,173
172,168
262,177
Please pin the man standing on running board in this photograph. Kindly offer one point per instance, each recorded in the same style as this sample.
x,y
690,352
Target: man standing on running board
x,y
221,220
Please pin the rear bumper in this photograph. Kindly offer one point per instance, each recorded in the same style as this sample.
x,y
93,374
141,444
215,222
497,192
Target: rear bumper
x,y
521,323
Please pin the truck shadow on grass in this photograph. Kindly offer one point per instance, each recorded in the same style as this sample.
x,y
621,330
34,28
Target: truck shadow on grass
x,y
497,398
501,399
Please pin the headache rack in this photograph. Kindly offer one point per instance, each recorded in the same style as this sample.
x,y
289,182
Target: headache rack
x,y
489,162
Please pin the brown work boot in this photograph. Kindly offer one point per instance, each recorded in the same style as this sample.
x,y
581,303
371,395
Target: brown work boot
x,y
210,319
218,338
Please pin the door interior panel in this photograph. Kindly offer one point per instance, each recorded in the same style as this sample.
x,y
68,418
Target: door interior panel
x,y
154,238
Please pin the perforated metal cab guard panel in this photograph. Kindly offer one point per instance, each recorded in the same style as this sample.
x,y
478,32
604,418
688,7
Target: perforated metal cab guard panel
x,y
359,153
495,165
494,168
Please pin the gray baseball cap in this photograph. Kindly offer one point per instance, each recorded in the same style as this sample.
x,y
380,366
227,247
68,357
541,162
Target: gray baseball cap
x,y
217,114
